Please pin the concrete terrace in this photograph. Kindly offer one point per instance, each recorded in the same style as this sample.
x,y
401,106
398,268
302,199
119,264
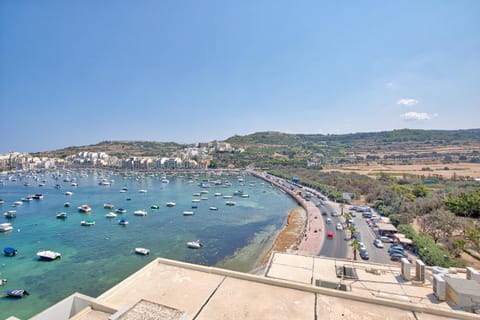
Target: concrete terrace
x,y
285,292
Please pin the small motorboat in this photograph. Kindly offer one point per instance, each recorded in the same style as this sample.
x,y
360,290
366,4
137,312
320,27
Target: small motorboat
x,y
3,281
213,208
121,210
4,227
140,213
142,251
188,213
17,203
230,203
38,196
66,204
196,200
61,215
171,204
9,251
108,206
48,255
143,191
123,222
154,206
194,207
111,215
68,193
84,208
10,214
17,293
87,223
194,244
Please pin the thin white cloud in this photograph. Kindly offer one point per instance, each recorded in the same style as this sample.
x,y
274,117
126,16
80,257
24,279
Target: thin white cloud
x,y
416,116
389,85
407,102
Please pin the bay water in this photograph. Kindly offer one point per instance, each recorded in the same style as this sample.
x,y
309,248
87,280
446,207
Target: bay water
x,y
96,258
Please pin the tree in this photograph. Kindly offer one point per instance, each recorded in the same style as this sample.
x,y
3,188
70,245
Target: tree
x,y
439,224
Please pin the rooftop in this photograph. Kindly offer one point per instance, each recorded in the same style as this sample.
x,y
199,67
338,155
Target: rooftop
x,y
289,289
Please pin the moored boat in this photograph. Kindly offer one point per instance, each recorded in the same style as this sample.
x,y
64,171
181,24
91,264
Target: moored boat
x,y
61,215
123,222
194,244
37,196
171,204
154,206
48,255
230,203
10,214
84,208
140,213
142,251
213,208
66,204
188,213
111,215
10,252
4,227
121,210
17,293
143,190
68,193
87,223
108,206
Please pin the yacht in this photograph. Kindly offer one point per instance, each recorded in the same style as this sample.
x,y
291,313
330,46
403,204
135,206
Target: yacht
x,y
38,196
61,215
4,227
142,251
84,208
48,255
10,214
194,244
111,215
188,213
68,193
140,213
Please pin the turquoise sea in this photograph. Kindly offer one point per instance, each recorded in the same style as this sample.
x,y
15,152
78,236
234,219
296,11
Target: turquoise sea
x,y
96,258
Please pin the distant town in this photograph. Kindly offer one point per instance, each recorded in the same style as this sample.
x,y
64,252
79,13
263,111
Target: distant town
x,y
198,157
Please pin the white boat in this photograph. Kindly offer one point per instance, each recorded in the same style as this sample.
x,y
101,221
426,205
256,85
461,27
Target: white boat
x,y
140,213
61,215
27,199
194,244
38,196
143,251
230,203
143,191
74,184
213,208
87,223
17,203
10,214
218,194
111,215
84,208
4,227
195,200
188,213
123,222
171,204
165,181
68,193
121,210
48,255
227,197
66,204
108,206
245,196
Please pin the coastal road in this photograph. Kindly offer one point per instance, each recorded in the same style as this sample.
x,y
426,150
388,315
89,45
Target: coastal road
x,y
337,247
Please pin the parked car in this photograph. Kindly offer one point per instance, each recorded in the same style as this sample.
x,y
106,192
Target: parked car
x,y
334,213
401,252
386,239
329,220
395,248
364,255
378,243
361,245
398,257
330,234
324,213
339,226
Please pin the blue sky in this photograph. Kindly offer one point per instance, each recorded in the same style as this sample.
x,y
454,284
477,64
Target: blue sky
x,y
79,72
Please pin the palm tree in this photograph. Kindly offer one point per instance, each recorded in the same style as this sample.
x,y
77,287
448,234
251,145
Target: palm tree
x,y
356,247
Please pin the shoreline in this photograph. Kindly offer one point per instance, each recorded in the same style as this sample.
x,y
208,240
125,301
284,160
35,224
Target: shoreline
x,y
288,238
